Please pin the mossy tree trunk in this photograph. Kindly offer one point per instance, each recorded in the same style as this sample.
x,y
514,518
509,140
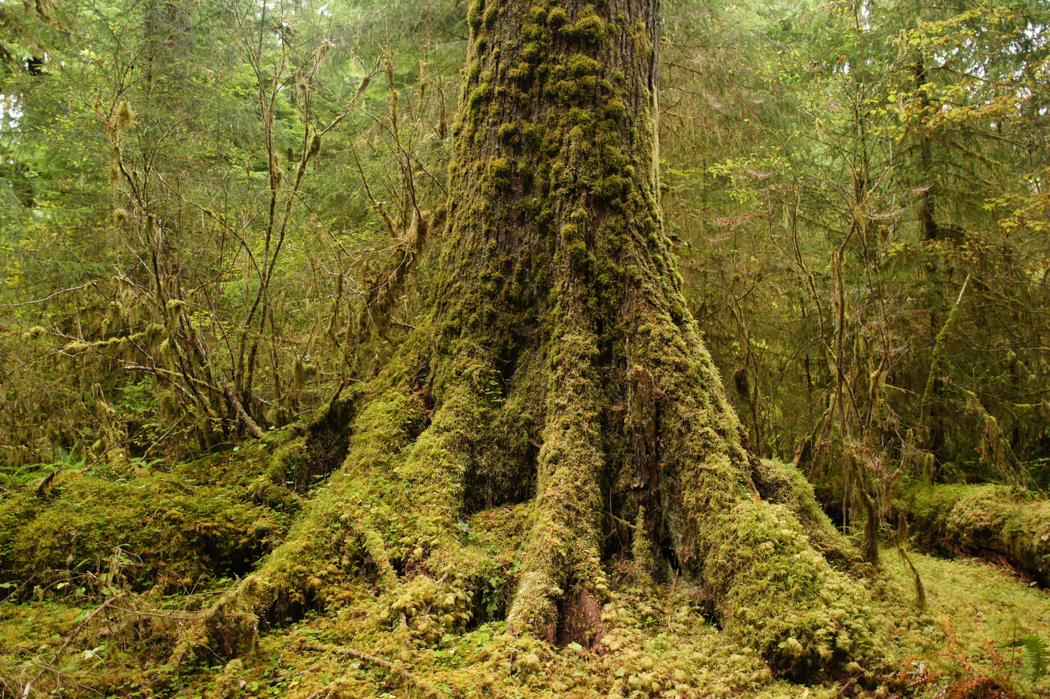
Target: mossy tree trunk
x,y
558,367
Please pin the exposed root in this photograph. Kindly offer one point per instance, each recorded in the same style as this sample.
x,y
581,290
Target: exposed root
x,y
563,545
769,583
783,484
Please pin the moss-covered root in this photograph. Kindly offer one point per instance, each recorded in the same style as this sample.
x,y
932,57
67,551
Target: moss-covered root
x,y
408,487
771,587
563,545
330,524
783,484
778,594
997,522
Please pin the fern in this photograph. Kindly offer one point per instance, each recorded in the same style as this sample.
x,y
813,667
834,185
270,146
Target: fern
x,y
1036,656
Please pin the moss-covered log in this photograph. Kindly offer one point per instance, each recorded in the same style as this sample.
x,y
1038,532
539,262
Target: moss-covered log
x,y
559,368
997,522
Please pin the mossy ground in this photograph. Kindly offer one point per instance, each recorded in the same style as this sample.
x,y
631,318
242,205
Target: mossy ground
x,y
656,640
139,526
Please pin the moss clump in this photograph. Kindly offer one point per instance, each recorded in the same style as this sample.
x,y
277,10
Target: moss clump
x,y
584,65
557,17
588,29
499,171
509,133
534,52
612,187
616,110
481,95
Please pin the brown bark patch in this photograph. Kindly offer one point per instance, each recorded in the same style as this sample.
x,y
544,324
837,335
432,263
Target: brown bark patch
x,y
580,620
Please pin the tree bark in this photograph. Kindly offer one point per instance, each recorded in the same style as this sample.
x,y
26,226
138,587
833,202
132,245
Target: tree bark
x,y
559,368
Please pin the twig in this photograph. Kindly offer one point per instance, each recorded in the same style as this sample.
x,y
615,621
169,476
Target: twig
x,y
69,639
46,298
378,662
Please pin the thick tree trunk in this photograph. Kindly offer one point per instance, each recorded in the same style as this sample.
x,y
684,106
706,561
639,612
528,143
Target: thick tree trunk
x,y
559,367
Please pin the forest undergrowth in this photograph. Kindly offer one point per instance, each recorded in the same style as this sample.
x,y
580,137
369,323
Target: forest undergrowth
x,y
111,580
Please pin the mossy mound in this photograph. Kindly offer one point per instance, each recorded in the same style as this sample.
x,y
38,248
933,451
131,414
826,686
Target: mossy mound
x,y
146,526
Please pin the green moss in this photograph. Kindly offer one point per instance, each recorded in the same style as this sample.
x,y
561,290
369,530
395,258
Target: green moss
x,y
533,134
612,187
491,13
474,14
508,132
520,74
1008,523
643,44
589,28
480,95
566,91
524,167
588,85
616,110
532,32
584,65
534,52
178,531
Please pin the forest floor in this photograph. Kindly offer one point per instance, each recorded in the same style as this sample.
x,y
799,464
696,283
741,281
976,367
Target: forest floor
x,y
105,570
656,644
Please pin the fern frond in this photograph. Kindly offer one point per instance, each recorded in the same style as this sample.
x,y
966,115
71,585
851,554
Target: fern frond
x,y
1036,656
